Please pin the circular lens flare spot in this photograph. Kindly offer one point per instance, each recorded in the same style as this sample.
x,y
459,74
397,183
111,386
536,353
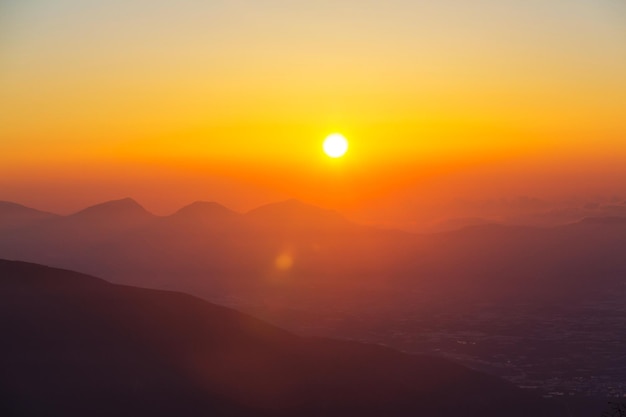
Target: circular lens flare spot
x,y
284,262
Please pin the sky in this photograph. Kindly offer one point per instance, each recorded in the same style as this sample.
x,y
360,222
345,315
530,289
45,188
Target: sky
x,y
170,102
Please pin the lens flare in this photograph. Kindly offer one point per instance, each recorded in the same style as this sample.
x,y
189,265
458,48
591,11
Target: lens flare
x,y
284,262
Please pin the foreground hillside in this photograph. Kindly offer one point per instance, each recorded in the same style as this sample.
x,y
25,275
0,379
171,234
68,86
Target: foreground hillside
x,y
75,345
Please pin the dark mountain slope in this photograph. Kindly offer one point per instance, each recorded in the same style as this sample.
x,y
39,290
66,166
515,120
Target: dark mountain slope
x,y
74,345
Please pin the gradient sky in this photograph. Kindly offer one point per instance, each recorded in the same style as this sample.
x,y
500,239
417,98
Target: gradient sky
x,y
171,102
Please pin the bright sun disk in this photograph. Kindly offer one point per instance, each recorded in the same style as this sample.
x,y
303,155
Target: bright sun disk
x,y
336,145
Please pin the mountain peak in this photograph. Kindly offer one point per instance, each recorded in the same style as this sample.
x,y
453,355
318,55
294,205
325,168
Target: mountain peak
x,y
205,211
125,206
202,207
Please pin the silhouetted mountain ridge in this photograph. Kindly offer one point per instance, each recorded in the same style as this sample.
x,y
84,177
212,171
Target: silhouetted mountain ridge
x,y
296,214
8,207
286,214
13,215
123,207
205,212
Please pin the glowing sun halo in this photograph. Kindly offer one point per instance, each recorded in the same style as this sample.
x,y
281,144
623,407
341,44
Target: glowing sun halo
x,y
336,145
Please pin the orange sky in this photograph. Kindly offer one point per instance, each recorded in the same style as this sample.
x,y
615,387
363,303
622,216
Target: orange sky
x,y
230,101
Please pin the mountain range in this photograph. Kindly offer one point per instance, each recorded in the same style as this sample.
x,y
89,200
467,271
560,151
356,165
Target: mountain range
x,y
211,251
317,273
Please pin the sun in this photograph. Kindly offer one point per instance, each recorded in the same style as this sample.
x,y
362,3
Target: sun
x,y
336,145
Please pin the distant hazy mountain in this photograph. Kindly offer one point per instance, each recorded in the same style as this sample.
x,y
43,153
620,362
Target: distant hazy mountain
x,y
296,216
13,215
614,220
202,213
522,211
74,345
124,212
457,223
